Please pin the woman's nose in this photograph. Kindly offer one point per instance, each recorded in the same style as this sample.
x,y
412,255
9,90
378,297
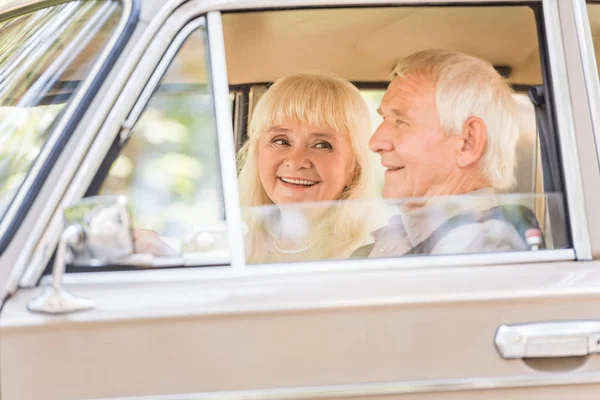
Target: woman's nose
x,y
380,141
298,159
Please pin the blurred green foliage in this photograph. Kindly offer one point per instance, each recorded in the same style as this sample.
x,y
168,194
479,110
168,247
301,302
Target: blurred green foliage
x,y
169,168
35,86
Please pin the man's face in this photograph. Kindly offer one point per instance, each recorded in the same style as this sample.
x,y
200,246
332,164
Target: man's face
x,y
419,157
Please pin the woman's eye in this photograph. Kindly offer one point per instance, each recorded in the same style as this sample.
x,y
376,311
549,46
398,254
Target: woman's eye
x,y
281,142
323,145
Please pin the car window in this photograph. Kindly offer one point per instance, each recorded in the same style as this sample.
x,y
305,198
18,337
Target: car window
x,y
169,168
293,213
44,56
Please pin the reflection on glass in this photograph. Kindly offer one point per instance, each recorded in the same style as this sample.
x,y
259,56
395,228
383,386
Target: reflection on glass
x,y
169,168
106,229
444,225
43,57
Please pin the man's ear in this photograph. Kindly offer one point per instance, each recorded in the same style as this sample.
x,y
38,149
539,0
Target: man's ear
x,y
473,140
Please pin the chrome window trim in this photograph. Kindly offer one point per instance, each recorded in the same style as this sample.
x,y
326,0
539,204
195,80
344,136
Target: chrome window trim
x,y
66,57
566,132
186,265
111,126
590,69
161,69
35,248
389,388
9,10
345,266
429,261
238,5
26,186
225,137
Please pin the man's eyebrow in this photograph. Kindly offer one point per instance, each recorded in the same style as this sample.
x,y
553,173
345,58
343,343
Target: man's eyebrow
x,y
393,111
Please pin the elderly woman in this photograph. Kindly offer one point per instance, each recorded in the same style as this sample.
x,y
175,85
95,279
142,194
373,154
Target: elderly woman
x,y
308,142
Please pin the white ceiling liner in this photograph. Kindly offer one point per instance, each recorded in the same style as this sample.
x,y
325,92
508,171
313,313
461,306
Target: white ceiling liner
x,y
364,44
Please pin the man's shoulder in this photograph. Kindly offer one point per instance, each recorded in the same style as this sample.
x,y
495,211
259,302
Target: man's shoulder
x,y
481,236
499,228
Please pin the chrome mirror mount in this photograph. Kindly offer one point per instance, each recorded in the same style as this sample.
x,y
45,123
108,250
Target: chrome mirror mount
x,y
98,233
56,300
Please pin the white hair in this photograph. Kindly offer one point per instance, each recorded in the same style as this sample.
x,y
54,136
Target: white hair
x,y
466,86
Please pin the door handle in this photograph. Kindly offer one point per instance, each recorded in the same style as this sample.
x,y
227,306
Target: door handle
x,y
548,339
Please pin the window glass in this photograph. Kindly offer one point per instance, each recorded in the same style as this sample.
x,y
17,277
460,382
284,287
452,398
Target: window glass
x,y
169,167
44,55
449,160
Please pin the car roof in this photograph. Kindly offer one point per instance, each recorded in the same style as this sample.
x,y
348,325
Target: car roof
x,y
368,42
364,44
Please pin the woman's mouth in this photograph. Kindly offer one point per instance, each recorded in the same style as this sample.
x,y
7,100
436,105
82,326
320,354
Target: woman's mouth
x,y
393,169
298,182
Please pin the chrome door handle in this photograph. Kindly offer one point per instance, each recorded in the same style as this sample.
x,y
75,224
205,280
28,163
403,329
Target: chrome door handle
x,y
548,339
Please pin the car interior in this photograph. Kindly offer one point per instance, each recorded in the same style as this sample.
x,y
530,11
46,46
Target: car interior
x,y
263,46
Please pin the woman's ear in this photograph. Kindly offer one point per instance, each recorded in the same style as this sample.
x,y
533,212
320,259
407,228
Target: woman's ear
x,y
473,142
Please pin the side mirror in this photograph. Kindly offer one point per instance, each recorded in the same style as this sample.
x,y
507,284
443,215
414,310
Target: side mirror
x,y
105,230
97,232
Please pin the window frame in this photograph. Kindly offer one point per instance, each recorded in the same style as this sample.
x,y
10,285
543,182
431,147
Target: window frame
x,y
134,115
575,206
573,193
72,114
588,59
133,75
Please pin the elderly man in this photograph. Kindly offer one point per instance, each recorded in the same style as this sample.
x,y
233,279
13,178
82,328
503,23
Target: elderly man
x,y
449,128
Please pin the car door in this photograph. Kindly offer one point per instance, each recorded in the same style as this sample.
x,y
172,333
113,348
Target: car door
x,y
471,326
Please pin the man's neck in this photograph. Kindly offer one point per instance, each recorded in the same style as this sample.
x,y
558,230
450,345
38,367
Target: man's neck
x,y
452,187
458,185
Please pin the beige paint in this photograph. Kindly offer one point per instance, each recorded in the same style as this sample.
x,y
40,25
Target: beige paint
x,y
365,44
214,334
165,332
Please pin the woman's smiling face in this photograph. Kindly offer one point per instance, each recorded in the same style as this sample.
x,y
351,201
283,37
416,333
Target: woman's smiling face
x,y
298,163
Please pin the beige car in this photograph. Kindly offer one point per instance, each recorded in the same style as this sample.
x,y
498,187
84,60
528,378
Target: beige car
x,y
127,113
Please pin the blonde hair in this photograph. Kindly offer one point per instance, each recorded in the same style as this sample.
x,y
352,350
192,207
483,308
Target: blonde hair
x,y
322,100
466,86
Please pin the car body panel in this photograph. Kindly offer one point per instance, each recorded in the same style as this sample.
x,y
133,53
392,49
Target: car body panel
x,y
421,327
305,330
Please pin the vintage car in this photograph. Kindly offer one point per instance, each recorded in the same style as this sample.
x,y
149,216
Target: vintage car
x,y
121,114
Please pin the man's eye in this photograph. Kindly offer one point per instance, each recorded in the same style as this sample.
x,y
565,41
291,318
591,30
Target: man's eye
x,y
324,145
399,122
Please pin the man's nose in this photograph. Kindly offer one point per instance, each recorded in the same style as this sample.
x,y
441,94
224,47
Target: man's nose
x,y
298,159
380,141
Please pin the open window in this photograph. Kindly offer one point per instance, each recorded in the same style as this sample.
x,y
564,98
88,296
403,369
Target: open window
x,y
362,45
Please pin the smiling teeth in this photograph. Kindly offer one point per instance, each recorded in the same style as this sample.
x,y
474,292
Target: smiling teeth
x,y
298,181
